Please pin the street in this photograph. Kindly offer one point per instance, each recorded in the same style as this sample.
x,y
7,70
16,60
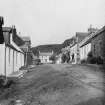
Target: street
x,y
63,84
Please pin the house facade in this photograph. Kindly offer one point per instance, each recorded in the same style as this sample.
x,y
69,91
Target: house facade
x,y
44,57
11,57
74,47
94,43
98,43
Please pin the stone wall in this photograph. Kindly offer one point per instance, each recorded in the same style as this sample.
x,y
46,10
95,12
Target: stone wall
x,y
98,45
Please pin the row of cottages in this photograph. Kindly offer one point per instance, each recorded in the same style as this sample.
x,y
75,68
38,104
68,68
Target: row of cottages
x,y
94,43
74,47
45,56
75,52
11,57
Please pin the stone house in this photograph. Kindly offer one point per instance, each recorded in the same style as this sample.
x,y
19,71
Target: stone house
x,y
74,47
98,43
95,43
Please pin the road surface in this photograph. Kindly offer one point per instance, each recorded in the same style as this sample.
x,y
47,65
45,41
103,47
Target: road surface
x,y
63,84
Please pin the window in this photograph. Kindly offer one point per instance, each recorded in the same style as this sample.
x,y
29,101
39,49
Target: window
x,y
94,49
16,57
1,38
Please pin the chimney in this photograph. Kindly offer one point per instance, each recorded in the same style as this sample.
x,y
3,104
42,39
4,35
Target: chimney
x,y
92,30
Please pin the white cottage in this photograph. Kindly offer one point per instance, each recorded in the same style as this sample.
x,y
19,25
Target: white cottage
x,y
44,57
11,56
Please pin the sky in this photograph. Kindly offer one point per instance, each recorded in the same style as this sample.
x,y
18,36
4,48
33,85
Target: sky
x,y
52,21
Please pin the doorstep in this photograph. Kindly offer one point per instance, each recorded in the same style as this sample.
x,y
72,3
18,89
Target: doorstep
x,y
18,74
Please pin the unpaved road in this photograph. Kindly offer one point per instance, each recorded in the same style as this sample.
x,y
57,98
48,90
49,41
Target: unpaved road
x,y
63,84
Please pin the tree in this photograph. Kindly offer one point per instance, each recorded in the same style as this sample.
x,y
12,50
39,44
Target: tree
x,y
63,58
53,58
66,57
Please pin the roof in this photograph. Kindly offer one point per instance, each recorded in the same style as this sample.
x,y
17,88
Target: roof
x,y
6,29
16,38
81,36
91,36
45,53
26,38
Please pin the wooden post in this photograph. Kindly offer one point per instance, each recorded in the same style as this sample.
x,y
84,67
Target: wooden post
x,y
1,32
5,62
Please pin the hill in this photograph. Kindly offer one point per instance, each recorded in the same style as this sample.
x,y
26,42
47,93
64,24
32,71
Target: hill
x,y
55,47
67,42
47,48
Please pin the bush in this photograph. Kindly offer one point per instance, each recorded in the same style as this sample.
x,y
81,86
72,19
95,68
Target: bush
x,y
2,81
53,58
90,54
5,83
92,60
37,61
95,60
99,60
63,58
83,61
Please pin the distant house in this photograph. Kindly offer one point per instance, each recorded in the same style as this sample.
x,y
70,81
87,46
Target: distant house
x,y
27,49
95,43
44,56
11,57
59,59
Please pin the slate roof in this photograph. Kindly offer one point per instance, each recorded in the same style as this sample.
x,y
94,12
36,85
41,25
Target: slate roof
x,y
6,29
16,38
91,36
45,53
81,36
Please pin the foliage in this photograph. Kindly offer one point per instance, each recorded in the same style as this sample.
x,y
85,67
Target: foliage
x,y
37,61
90,54
67,42
83,61
99,60
53,58
65,57
94,60
47,48
5,83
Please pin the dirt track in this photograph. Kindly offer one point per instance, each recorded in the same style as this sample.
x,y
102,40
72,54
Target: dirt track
x,y
60,85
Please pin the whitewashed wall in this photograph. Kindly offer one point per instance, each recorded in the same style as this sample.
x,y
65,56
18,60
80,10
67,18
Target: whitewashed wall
x,y
14,60
2,57
8,66
84,51
15,67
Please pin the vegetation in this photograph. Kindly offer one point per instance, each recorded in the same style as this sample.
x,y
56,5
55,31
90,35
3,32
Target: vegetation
x,y
55,47
37,61
94,60
67,42
53,58
65,58
47,48
83,61
5,82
